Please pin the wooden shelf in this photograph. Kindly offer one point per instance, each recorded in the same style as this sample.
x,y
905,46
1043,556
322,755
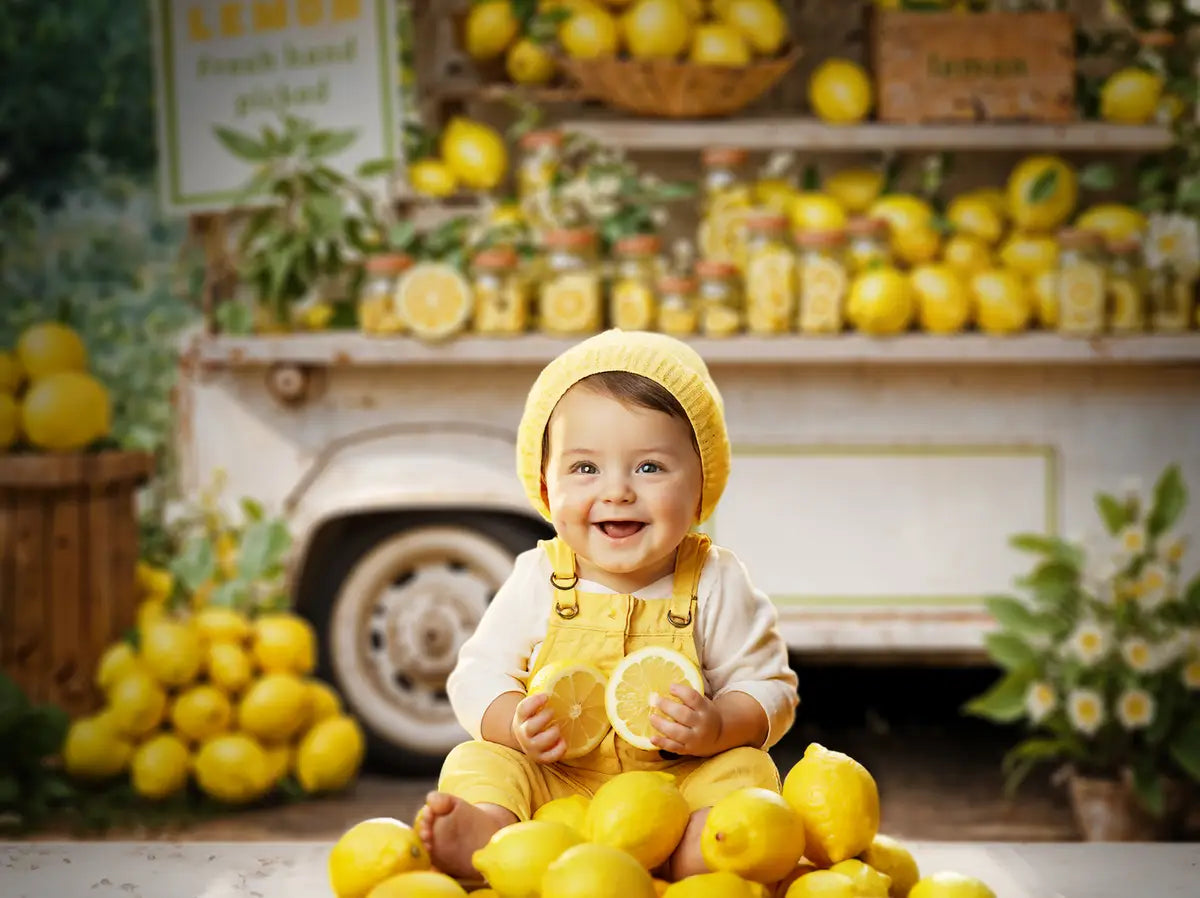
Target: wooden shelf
x,y
354,349
809,134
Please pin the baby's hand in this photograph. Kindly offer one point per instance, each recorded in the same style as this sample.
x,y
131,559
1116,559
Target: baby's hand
x,y
690,726
535,731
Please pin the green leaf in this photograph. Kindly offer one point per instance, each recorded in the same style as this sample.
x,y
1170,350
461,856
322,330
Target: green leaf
x,y
1053,582
1147,784
45,728
811,178
252,509
1043,186
1191,596
196,564
1098,176
231,594
242,145
1014,615
1023,757
1004,702
1185,747
263,546
235,318
325,143
1114,513
1170,498
1010,651
373,168
1053,546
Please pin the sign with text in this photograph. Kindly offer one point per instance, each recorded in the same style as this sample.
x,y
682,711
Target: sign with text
x,y
243,64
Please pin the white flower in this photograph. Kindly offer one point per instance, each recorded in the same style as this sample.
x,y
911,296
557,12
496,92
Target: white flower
x,y
1089,643
1154,586
1135,709
1131,541
1173,240
1191,675
1040,700
1139,654
1099,578
1171,549
1086,710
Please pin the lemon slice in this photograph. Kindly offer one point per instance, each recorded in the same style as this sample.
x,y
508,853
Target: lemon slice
x,y
576,699
433,300
638,677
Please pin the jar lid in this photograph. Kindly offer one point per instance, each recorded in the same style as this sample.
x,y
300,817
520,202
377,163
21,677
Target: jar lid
x,y
866,226
570,238
388,263
1079,238
766,222
715,268
638,245
1124,246
545,138
1160,38
820,239
724,157
676,283
496,257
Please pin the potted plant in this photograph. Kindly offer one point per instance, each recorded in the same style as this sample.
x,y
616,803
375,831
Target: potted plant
x,y
1102,667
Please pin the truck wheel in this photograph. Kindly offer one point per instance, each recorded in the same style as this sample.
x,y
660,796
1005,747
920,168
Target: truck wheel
x,y
396,600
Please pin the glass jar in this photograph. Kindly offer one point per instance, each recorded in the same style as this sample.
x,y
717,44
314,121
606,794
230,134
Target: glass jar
x,y
867,244
770,275
1172,298
1082,298
633,305
724,204
722,170
677,313
569,294
823,281
1127,286
719,298
377,296
540,161
501,298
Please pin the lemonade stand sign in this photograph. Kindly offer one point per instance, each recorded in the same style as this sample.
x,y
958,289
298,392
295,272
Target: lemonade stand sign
x,y
239,65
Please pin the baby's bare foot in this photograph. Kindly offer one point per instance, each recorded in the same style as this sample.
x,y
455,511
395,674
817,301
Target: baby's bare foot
x,y
452,830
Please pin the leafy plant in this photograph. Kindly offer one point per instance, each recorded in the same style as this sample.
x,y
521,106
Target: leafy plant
x,y
32,787
1102,658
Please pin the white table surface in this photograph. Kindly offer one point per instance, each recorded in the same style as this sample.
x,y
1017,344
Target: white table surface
x,y
297,869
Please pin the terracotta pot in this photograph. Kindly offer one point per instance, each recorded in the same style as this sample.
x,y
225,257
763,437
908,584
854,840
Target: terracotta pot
x,y
1107,809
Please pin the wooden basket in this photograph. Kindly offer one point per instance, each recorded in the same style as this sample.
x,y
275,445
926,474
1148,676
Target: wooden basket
x,y
666,88
68,552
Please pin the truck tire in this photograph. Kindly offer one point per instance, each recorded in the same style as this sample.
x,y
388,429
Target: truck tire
x,y
392,599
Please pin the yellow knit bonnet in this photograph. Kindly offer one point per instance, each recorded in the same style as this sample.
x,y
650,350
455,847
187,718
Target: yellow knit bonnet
x,y
663,359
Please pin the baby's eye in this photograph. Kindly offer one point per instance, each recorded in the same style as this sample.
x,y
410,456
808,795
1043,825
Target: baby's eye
x,y
648,467
585,467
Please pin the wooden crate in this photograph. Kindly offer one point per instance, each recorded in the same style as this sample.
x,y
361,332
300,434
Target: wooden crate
x,y
68,550
939,67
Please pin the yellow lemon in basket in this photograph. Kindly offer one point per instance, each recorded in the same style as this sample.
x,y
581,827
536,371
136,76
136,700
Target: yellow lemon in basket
x,y
528,62
854,188
881,301
217,624
201,713
840,92
570,811
590,32
1130,96
657,29
948,884
229,667
1041,192
967,254
596,871
889,857
916,246
48,348
475,153
754,833
137,703
1029,254
975,216
232,768
434,300
838,801
902,212
284,643
329,755
94,749
372,851
868,882
65,411
761,22
640,678
1114,220
641,812
1002,301
812,211
489,29
575,698
943,302
517,856
432,177
1044,287
718,44
159,768
172,652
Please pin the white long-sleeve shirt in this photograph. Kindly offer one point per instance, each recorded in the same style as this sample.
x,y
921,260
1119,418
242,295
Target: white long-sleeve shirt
x,y
737,641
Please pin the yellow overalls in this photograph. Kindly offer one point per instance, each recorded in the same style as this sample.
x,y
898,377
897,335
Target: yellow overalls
x,y
601,629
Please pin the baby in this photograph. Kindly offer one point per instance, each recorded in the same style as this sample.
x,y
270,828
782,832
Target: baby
x,y
623,447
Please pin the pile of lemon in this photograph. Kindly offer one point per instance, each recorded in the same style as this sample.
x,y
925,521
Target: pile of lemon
x,y
214,696
48,400
820,837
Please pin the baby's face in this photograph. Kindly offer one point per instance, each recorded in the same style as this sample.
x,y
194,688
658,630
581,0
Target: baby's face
x,y
623,485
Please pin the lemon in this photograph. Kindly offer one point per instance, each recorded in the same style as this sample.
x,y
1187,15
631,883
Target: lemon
x,y
976,216
754,833
839,802
840,92
916,246
274,708
280,760
641,812
950,885
635,681
516,857
12,374
994,197
159,768
774,193
232,768
137,702
576,701
49,348
1044,287
434,300
323,702
432,177
118,659
216,624
902,212
854,188
594,870
201,713
570,811
656,29
822,884
881,301
718,44
1130,96
475,153
154,582
943,302
711,885
1029,254
528,62
372,851
1002,302
94,749
171,651
65,411
1056,191
694,8
10,420
761,22
811,211
284,643
590,32
228,667
967,254
888,856
421,884
868,882
329,755
1115,221
150,612
489,29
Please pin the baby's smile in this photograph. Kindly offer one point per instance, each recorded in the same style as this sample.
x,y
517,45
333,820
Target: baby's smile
x,y
620,529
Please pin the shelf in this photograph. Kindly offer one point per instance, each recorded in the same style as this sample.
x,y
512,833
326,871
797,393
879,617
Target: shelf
x,y
354,349
809,134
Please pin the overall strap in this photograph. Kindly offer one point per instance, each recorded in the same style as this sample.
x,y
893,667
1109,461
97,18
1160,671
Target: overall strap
x,y
689,562
563,577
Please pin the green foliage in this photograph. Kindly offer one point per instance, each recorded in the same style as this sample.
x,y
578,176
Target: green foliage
x,y
32,788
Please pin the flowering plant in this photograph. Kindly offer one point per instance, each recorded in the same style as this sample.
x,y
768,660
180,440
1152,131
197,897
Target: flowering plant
x,y
1102,658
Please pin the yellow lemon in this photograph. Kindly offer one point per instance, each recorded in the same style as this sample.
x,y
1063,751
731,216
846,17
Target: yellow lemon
x,y
432,177
656,29
159,768
576,702
201,713
641,812
812,211
323,702
421,884
12,374
637,680
228,667
10,421
590,32
232,768
1002,302
274,708
948,884
94,749
171,651
330,754
943,302
868,882
694,8
1041,193
775,193
840,92
994,197
822,884
888,856
916,246
976,216
49,348
284,643
489,29
1130,96
718,44
754,833
65,411
595,870
118,659
902,212
839,802
881,301
1029,254
154,582
517,856
280,760
967,254
434,300
529,62
570,811
137,702
1115,221
475,153
761,22
854,188
721,884
215,624
372,851
1044,287
150,612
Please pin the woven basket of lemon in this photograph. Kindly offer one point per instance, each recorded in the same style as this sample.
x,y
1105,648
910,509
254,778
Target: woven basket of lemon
x,y
677,58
